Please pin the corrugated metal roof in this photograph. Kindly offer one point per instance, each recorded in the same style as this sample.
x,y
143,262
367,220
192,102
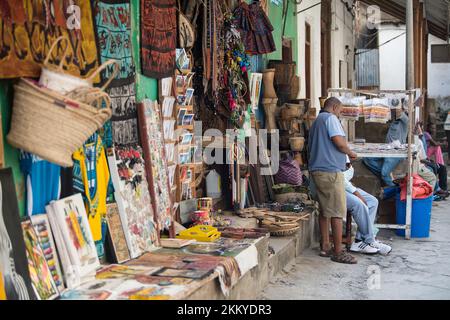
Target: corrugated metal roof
x,y
436,11
367,68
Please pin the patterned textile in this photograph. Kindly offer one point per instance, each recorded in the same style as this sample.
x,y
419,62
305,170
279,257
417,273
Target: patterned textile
x,y
255,28
28,29
158,37
289,172
113,30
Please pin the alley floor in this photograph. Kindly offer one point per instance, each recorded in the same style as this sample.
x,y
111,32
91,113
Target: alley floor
x,y
415,269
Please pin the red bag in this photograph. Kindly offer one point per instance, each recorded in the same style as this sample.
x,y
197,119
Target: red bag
x,y
421,189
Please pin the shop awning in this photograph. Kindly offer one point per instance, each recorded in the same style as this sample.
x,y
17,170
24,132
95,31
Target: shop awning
x,y
437,13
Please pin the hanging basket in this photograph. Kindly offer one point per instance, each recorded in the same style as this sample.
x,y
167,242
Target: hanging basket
x,y
55,78
53,126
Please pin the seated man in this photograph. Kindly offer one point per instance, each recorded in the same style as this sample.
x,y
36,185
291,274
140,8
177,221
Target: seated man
x,y
363,208
383,167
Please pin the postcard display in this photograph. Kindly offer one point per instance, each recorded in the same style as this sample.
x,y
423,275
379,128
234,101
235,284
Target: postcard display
x,y
150,124
184,123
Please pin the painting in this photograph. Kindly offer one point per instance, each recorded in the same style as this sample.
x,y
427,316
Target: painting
x,y
28,29
75,237
183,273
113,32
41,277
154,151
118,241
158,37
44,233
127,167
13,260
124,120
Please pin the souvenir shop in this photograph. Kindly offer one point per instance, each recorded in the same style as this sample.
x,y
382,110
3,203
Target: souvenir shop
x,y
104,193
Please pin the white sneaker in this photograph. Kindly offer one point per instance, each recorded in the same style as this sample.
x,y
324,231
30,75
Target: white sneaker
x,y
362,247
383,248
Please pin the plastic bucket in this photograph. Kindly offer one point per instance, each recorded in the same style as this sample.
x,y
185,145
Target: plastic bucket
x,y
421,216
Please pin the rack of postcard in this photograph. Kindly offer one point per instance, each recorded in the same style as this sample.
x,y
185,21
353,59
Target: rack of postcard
x,y
357,106
177,96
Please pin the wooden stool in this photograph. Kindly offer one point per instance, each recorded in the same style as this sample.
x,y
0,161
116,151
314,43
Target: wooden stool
x,y
348,231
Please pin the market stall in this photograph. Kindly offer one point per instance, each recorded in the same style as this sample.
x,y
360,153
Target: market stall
x,y
372,150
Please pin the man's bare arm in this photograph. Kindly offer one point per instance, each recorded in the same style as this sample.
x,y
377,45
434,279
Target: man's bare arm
x,y
342,146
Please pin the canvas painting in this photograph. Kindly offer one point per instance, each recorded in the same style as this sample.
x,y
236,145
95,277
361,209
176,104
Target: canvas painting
x,y
13,260
69,216
41,277
183,273
29,29
45,236
150,116
116,233
127,168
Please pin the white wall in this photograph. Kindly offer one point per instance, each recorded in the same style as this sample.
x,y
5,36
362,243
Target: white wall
x,y
341,36
312,17
392,57
438,73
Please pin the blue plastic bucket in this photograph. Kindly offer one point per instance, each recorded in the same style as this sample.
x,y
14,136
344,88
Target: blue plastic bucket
x,y
421,216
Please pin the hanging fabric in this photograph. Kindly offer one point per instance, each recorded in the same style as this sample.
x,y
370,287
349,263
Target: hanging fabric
x,y
255,28
158,37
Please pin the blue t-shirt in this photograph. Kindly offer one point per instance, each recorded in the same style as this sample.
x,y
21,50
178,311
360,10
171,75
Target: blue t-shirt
x,y
323,154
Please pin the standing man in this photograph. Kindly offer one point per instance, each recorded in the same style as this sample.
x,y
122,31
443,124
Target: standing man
x,y
327,162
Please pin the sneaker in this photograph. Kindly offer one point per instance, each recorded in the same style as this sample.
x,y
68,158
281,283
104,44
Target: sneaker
x,y
362,247
384,249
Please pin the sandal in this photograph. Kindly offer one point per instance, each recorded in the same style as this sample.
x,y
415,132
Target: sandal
x,y
326,254
344,258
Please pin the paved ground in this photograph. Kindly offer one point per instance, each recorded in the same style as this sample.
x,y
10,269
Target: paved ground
x,y
415,269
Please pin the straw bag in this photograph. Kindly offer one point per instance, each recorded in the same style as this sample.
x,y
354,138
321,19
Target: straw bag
x,y
55,78
53,126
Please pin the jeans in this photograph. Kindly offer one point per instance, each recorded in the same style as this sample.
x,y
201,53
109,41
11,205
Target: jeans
x,y
382,167
363,215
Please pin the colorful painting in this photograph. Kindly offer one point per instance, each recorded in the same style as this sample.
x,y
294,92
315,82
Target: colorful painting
x,y
28,29
113,31
158,37
154,151
74,236
118,241
15,277
184,273
133,199
45,237
41,276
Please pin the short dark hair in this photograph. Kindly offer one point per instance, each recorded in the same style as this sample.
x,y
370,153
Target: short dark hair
x,y
331,102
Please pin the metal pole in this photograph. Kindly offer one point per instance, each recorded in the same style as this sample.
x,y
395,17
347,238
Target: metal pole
x,y
410,167
409,44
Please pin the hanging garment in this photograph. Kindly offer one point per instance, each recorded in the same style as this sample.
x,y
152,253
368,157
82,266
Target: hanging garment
x,y
255,28
43,183
91,178
158,37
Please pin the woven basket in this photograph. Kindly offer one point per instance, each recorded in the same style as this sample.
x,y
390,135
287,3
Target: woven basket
x,y
51,125
55,78
297,143
284,233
